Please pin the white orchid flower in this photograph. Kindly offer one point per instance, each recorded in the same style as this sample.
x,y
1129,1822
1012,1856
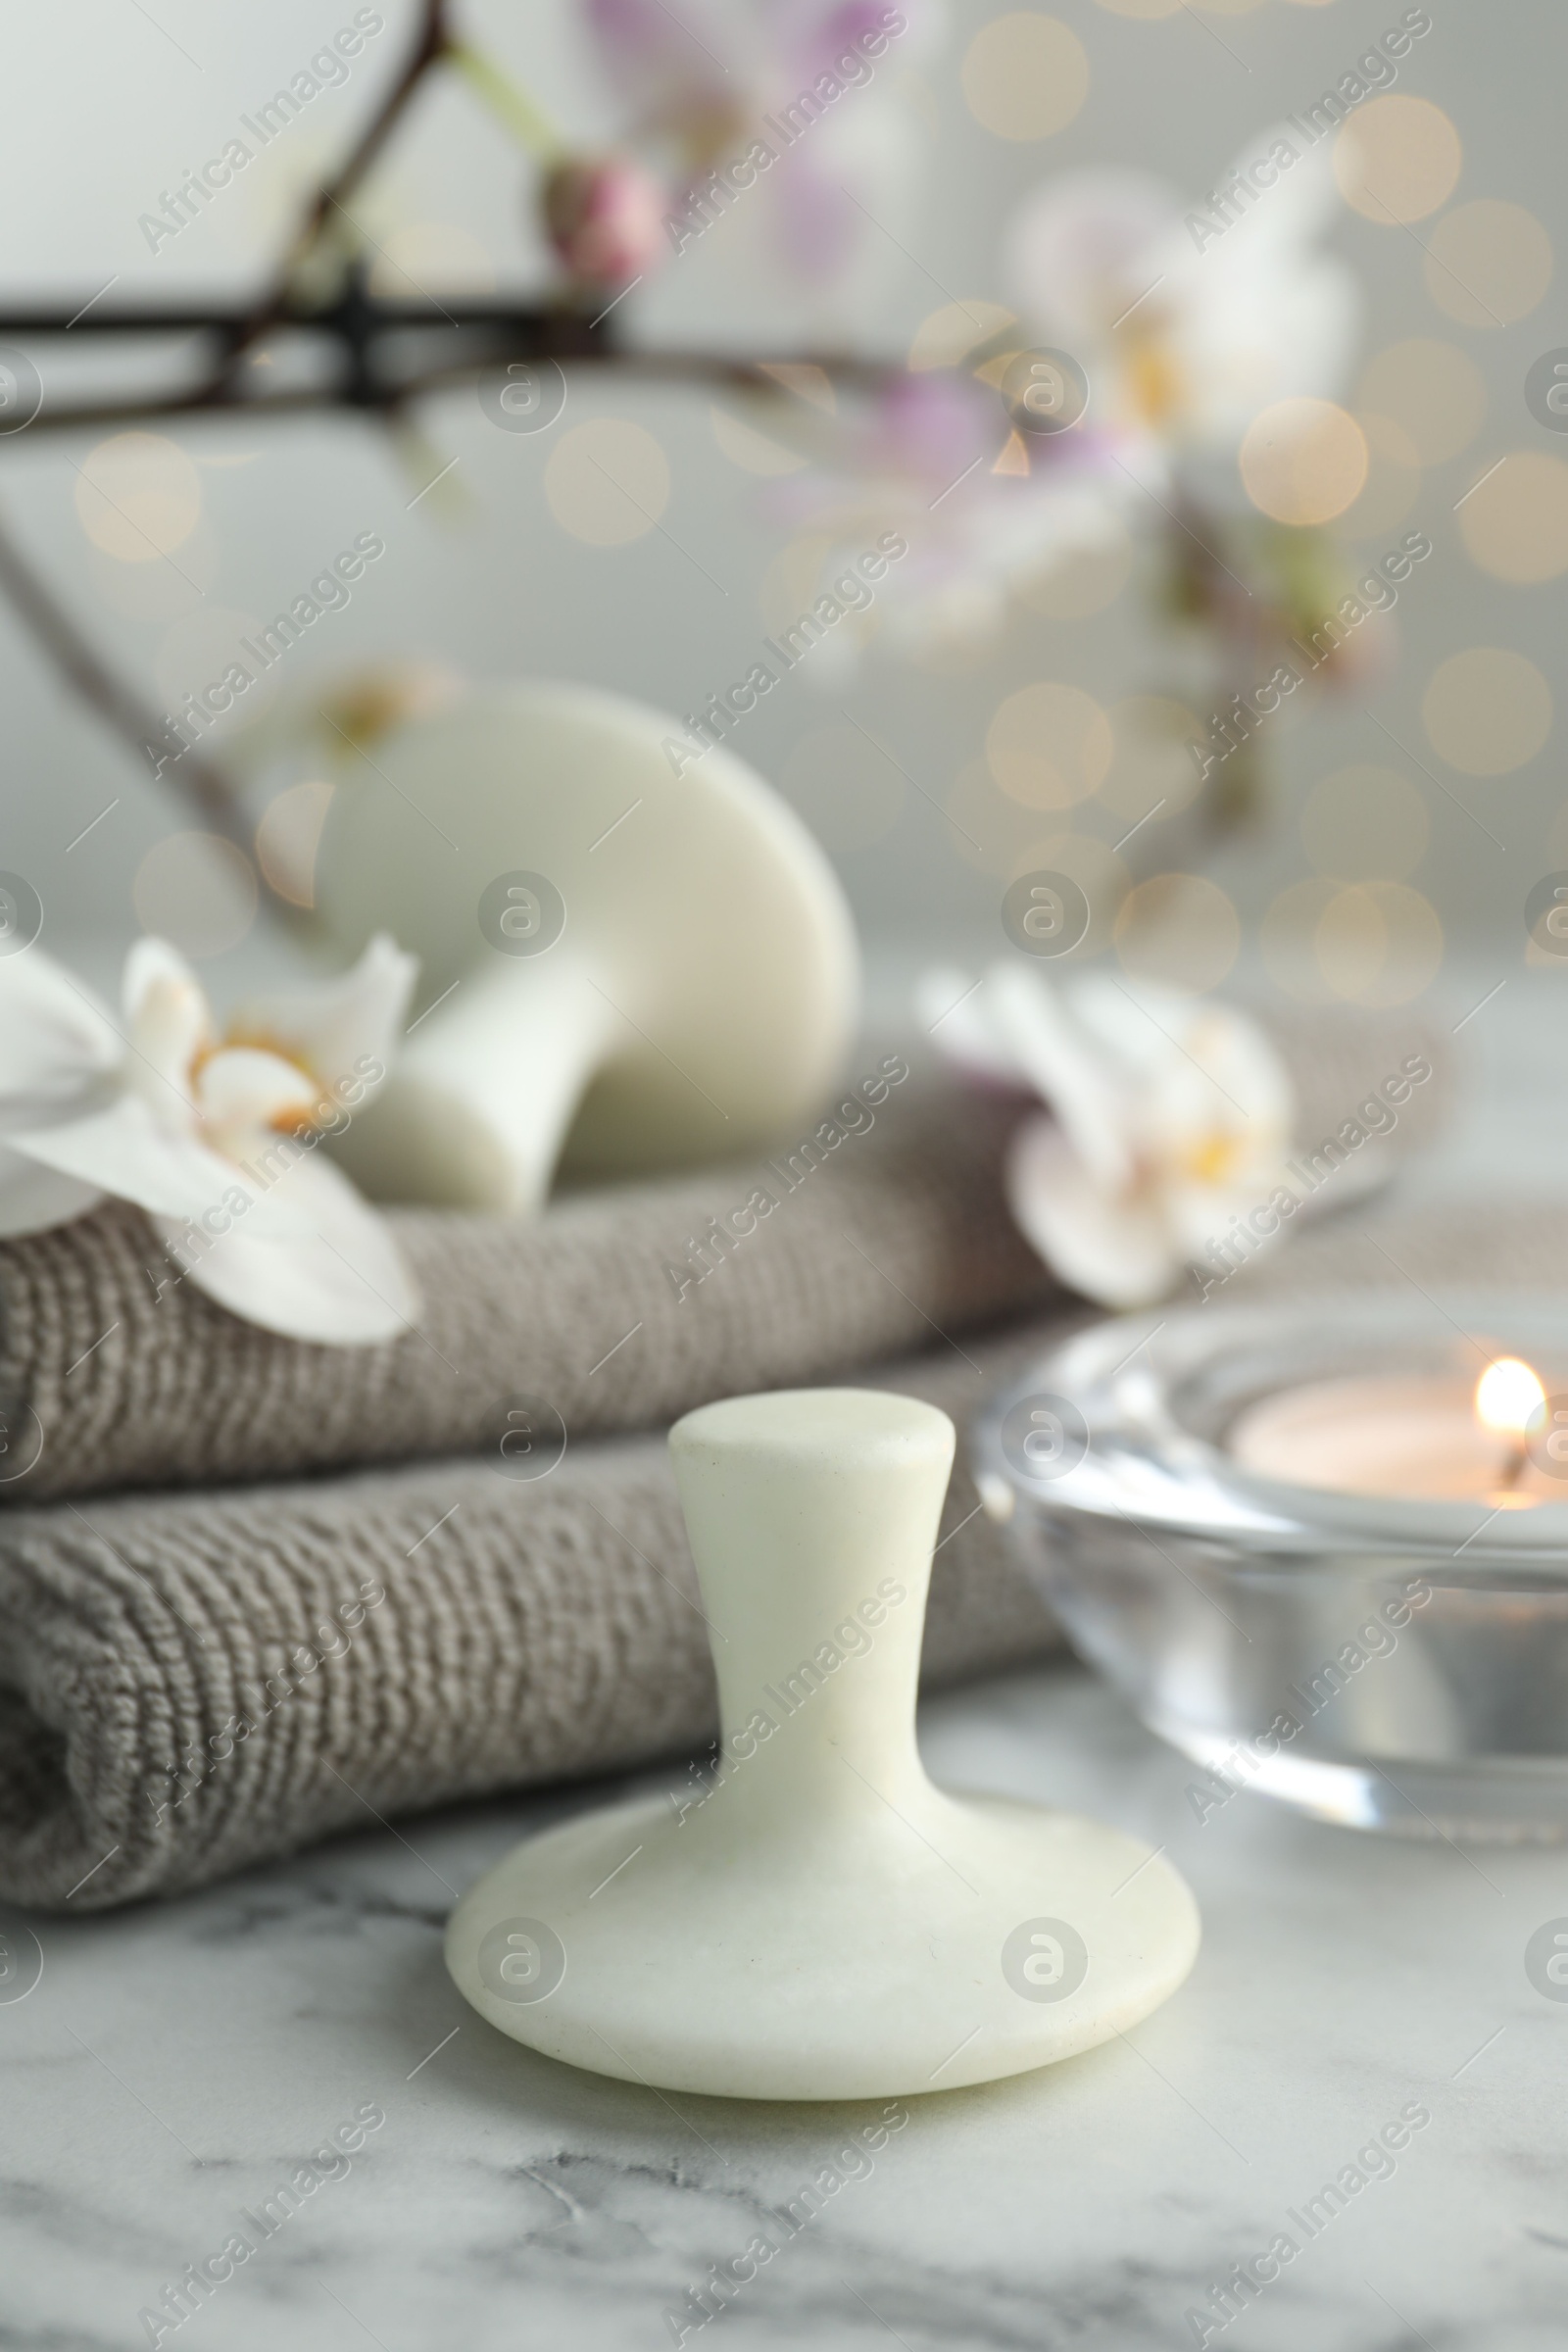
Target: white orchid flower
x,y
1188,328
212,1132
327,721
978,522
1169,1114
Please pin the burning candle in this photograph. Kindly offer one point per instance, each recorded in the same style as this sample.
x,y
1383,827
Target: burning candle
x,y
1416,1436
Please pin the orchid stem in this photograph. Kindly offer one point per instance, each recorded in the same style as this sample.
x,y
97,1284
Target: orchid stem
x,y
508,101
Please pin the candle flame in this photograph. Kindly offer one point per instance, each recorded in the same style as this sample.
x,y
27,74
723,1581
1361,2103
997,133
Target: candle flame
x,y
1508,1396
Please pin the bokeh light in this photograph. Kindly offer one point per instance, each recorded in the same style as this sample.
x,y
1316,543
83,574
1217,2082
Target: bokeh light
x,y
1096,868
138,497
288,837
1178,928
1287,939
1488,263
948,336
1374,942
197,891
1397,159
1515,520
1049,746
1365,824
1377,943
1025,76
1487,711
753,450
803,380
1433,391
1303,460
607,481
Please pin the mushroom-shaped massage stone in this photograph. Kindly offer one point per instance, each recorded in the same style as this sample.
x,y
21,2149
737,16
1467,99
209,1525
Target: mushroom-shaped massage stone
x,y
663,965
823,1923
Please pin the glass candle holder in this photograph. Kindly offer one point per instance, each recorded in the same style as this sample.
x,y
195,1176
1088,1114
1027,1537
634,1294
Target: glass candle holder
x,y
1387,1660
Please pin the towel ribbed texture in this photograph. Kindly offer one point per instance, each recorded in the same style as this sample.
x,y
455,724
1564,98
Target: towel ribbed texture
x,y
196,1681
528,1632
104,1383
898,1228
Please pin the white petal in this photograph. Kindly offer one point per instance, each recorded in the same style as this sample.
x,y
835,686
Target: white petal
x,y
1225,1085
1262,314
1301,205
1243,1062
1279,341
1118,1251
170,1022
152,965
1202,1076
340,1028
1135,1019
55,1037
342,1283
33,1198
1259,314
1064,1066
241,1086
953,1007
1080,249
126,1152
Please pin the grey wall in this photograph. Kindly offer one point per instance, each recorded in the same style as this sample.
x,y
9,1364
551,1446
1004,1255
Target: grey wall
x,y
103,108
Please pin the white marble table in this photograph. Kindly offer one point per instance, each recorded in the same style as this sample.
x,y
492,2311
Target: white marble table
x,y
176,2063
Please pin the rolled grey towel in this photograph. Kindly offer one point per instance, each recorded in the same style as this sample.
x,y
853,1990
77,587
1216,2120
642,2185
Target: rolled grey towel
x,y
616,1310
202,1681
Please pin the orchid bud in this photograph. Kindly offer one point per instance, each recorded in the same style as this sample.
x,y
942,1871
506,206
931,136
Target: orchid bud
x,y
605,218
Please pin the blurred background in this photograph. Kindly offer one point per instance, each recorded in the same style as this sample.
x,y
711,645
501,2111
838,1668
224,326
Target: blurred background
x,y
1026,715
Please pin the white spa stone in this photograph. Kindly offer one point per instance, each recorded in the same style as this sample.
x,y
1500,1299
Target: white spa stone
x,y
695,1001
823,1923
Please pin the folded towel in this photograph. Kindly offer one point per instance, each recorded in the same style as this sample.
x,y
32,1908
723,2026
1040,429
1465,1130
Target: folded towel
x,y
202,1681
616,1310
194,1681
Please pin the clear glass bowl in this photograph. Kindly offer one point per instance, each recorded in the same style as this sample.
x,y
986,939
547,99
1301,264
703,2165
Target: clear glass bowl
x,y
1383,1663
